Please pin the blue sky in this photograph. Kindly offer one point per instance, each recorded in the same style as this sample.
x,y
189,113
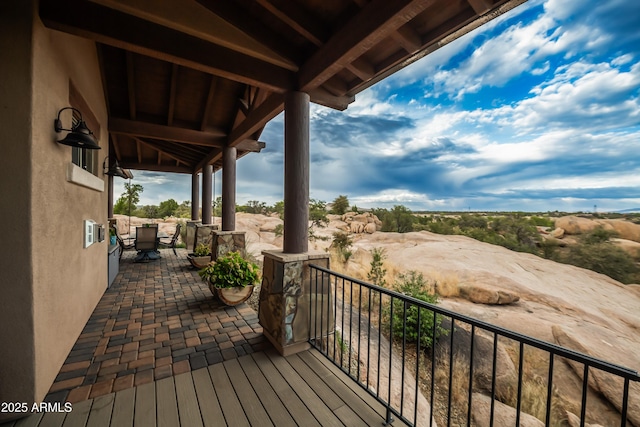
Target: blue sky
x,y
539,110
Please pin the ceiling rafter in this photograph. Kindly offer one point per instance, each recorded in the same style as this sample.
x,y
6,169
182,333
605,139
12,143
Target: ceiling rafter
x,y
93,21
209,103
116,145
481,6
169,151
298,19
239,18
172,93
139,150
131,84
362,69
408,38
376,21
209,138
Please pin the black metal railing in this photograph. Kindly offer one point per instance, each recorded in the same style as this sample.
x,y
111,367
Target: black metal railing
x,y
427,364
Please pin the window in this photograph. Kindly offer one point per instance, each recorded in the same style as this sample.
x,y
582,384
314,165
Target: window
x,y
86,159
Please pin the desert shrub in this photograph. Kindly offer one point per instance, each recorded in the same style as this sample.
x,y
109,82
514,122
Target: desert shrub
x,y
342,244
405,315
377,272
279,230
598,235
399,219
541,221
603,258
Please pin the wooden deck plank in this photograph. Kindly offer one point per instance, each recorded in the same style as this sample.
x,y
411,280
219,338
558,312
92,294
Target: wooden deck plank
x,y
231,407
100,415
145,408
53,419
256,413
317,407
187,401
351,419
166,404
123,408
349,382
79,415
207,399
291,400
30,421
276,409
359,400
315,382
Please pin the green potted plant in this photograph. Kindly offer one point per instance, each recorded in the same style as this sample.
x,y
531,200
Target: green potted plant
x,y
112,237
231,278
201,256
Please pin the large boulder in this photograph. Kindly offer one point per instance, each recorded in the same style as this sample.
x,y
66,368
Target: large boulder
x,y
486,294
503,415
625,229
573,225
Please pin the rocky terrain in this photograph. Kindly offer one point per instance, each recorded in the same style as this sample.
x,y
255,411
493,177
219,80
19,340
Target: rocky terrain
x,y
558,303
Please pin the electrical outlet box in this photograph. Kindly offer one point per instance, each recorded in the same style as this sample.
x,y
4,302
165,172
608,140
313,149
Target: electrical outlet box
x,y
89,232
98,232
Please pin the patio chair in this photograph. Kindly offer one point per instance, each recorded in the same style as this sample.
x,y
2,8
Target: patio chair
x,y
146,243
123,246
173,241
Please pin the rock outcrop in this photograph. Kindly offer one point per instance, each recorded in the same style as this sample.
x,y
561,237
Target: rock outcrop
x,y
503,415
486,294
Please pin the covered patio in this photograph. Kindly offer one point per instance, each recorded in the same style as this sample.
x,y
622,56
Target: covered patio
x,y
159,349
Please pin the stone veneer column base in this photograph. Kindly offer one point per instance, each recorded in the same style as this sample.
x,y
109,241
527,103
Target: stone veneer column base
x,y
224,242
285,298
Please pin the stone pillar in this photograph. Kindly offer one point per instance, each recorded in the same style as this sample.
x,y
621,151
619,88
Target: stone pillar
x,y
229,156
109,196
296,172
287,296
224,242
195,197
207,188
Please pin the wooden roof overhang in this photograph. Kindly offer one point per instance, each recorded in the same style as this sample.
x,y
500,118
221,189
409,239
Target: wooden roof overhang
x,y
185,78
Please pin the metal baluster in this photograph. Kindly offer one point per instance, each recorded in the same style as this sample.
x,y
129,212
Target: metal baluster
x,y
585,389
453,322
520,367
473,337
549,390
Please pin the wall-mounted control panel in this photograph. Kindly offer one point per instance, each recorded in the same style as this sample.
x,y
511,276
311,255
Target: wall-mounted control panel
x,y
93,233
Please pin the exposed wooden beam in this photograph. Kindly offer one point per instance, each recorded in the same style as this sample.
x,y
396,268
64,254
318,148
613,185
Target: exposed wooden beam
x,y
105,25
139,150
131,84
156,168
116,145
372,24
172,93
301,21
166,133
170,151
481,6
408,38
103,77
256,120
323,97
362,68
336,86
238,17
251,145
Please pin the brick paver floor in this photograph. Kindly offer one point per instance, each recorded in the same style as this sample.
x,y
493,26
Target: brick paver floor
x,y
158,319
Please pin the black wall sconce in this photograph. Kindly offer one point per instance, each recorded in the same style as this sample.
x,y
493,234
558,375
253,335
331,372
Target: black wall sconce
x,y
79,135
114,169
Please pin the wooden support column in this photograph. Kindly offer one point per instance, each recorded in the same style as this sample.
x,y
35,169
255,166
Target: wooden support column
x,y
229,156
195,197
110,196
207,188
296,172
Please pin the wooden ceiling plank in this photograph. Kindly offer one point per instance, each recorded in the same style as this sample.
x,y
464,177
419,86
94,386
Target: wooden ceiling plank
x,y
167,133
131,84
481,6
336,86
179,151
96,22
239,18
103,77
116,145
301,21
172,93
375,22
159,157
209,104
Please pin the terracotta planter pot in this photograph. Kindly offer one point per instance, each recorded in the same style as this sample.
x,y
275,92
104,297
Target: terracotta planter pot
x,y
232,296
199,262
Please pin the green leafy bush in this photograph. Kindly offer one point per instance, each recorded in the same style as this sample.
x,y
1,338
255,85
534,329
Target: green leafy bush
x,y
377,272
603,258
342,243
202,250
230,271
405,315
